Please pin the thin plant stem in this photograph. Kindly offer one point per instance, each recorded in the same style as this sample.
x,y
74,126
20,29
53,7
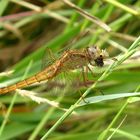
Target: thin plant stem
x,y
43,121
13,101
3,5
124,7
109,70
88,16
104,134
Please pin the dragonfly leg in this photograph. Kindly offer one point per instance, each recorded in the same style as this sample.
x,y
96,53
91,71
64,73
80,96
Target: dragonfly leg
x,y
99,91
85,76
90,71
51,54
87,102
93,76
114,59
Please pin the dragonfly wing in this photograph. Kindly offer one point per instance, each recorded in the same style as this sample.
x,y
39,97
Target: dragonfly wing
x,y
56,86
48,58
65,84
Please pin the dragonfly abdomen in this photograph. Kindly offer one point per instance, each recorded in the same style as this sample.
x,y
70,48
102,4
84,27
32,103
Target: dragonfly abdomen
x,y
18,85
41,76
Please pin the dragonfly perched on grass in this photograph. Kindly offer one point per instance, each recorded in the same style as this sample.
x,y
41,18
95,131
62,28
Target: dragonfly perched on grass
x,y
69,60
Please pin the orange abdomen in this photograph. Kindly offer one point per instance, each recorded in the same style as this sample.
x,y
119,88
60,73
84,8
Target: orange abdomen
x,y
41,76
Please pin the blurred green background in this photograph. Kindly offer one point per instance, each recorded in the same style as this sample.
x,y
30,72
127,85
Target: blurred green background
x,y
27,28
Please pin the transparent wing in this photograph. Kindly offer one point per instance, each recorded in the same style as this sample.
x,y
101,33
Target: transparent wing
x,y
67,84
49,57
67,81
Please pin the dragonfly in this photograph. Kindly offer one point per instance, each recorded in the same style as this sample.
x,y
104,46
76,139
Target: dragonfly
x,y
69,60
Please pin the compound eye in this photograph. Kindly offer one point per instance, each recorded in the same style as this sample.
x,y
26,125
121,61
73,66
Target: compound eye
x,y
101,55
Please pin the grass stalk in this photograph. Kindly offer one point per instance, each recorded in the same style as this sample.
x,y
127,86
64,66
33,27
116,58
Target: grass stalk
x,y
13,101
124,7
104,134
3,5
43,121
109,70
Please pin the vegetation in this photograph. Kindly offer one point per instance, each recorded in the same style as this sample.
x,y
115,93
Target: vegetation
x,y
66,108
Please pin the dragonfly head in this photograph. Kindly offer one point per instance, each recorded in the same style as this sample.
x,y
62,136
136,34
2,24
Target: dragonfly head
x,y
97,55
